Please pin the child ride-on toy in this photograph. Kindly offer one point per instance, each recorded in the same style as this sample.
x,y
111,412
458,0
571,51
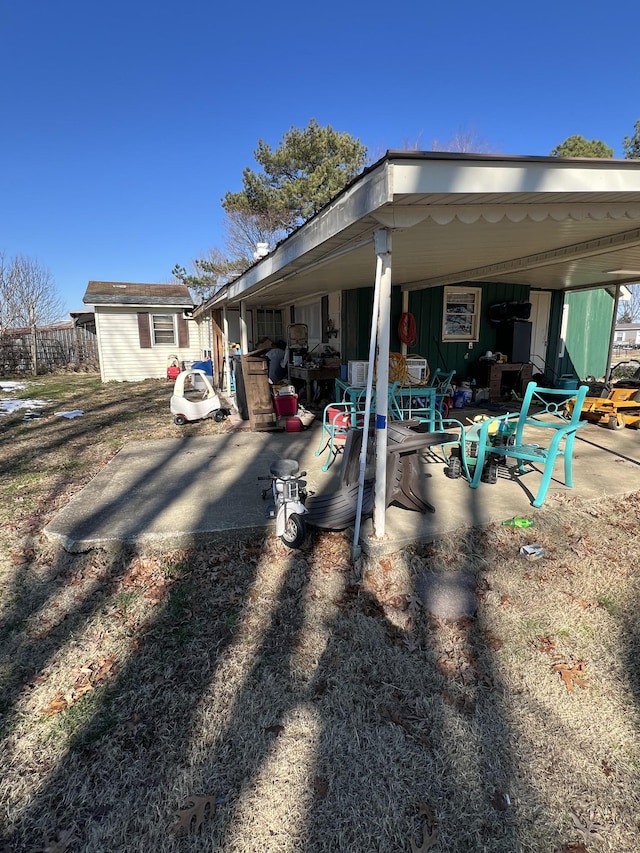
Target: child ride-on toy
x,y
463,458
620,408
195,398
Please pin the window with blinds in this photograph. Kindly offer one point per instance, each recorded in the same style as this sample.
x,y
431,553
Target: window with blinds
x,y
163,329
461,314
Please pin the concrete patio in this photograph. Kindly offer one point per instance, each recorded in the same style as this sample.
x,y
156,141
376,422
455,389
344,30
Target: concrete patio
x,y
179,492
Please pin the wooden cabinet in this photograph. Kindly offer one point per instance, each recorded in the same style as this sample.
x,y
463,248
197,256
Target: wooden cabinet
x,y
255,374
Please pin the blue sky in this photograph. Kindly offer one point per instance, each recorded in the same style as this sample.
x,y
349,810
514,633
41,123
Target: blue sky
x,y
124,123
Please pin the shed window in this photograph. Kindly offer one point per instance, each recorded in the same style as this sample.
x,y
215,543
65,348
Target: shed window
x,y
163,329
461,314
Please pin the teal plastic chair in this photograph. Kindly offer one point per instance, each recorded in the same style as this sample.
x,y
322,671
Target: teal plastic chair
x,y
441,380
542,408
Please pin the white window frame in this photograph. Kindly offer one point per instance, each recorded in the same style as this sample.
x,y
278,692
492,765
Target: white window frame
x,y
269,322
461,298
154,340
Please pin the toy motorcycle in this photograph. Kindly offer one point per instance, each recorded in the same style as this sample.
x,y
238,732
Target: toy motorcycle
x,y
289,494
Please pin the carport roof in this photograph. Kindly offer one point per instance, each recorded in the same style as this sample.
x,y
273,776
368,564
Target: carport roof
x,y
548,222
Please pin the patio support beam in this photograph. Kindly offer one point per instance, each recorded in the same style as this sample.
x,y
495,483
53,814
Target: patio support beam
x,y
356,549
244,338
225,350
382,244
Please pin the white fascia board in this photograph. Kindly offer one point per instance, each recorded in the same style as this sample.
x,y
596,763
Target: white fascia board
x,y
482,177
358,201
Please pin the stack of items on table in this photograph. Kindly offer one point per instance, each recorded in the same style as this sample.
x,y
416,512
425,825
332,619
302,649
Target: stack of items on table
x,y
295,418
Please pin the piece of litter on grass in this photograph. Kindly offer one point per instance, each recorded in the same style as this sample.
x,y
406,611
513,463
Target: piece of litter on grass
x,y
532,552
73,414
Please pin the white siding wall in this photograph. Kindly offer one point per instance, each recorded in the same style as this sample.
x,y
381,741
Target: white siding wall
x,y
121,357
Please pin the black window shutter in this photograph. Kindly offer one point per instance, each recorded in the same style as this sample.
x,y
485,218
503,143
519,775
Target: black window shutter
x,y
144,331
183,332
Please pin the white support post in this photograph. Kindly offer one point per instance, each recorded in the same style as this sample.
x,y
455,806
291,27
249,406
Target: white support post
x,y
355,551
382,243
244,338
225,348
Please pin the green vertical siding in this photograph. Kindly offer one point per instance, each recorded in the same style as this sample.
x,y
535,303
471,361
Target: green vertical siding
x,y
588,332
426,306
590,314
357,306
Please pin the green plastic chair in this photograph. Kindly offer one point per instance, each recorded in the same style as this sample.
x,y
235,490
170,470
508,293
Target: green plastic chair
x,y
544,409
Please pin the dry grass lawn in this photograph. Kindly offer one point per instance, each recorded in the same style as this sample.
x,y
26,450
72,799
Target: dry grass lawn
x,y
249,699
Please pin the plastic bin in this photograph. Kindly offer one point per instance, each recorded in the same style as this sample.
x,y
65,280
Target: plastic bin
x,y
568,382
285,405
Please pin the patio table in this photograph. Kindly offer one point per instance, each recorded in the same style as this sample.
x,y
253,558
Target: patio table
x,y
313,374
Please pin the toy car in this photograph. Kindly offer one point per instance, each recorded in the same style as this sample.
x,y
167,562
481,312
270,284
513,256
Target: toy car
x,y
194,398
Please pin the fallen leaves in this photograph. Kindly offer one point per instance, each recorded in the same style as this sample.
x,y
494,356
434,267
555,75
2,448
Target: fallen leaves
x,y
191,818
572,672
493,642
587,826
146,574
546,644
408,719
410,643
429,830
88,678
607,769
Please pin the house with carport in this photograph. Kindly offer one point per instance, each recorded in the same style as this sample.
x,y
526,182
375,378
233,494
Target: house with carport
x,y
544,240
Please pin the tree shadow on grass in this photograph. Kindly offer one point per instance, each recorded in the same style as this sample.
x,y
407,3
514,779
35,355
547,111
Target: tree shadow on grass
x,y
316,713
